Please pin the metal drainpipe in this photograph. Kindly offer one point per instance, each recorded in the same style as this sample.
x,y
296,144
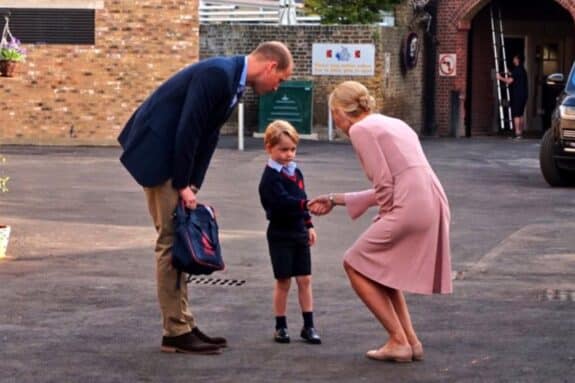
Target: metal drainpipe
x,y
430,62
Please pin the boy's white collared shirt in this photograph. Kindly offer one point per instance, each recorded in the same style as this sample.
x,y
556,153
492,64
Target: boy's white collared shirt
x,y
289,168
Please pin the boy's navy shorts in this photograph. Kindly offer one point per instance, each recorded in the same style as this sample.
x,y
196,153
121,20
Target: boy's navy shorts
x,y
290,255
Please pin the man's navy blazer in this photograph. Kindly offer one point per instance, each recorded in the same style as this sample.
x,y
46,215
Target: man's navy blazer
x,y
174,133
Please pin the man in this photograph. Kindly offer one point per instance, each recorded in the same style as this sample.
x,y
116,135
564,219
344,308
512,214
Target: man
x,y
517,81
168,143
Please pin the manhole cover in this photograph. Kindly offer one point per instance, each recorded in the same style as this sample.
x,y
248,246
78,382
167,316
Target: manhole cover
x,y
558,295
215,281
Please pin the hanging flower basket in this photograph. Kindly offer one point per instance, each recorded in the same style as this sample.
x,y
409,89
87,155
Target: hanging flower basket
x,y
4,237
11,51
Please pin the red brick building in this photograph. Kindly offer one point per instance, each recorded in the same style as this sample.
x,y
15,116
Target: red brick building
x,y
541,30
90,64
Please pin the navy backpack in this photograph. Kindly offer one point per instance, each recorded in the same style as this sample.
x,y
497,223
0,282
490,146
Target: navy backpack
x,y
196,248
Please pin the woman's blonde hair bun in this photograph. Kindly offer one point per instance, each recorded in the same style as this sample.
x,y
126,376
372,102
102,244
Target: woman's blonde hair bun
x,y
366,102
353,97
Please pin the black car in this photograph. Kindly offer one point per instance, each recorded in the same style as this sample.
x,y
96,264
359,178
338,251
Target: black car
x,y
557,153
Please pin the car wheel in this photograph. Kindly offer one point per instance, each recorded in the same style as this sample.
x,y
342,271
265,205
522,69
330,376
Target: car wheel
x,y
552,174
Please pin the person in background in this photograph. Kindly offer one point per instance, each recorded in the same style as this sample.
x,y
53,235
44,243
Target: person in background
x,y
519,91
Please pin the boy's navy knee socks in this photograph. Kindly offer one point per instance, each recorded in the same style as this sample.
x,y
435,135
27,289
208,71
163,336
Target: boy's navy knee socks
x,y
307,319
281,322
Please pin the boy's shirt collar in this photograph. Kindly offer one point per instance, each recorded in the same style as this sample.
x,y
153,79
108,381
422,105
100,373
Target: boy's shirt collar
x,y
289,168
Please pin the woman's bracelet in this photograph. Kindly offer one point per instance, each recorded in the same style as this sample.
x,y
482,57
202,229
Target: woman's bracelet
x,y
331,199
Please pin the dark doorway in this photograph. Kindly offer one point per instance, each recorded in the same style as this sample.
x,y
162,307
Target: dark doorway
x,y
514,46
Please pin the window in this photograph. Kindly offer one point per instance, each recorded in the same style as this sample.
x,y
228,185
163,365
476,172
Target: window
x,y
52,21
550,59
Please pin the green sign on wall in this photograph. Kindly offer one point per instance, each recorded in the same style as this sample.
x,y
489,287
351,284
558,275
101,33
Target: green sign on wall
x,y
291,102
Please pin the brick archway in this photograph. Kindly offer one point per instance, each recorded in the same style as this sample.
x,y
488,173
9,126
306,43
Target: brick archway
x,y
455,19
466,12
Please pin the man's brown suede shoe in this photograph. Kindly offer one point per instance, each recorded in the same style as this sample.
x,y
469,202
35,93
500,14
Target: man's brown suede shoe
x,y
188,343
216,340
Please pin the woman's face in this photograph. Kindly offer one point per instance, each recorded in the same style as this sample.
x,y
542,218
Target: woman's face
x,y
341,120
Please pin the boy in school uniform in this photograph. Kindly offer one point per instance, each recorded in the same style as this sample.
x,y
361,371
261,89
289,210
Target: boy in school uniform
x,y
290,231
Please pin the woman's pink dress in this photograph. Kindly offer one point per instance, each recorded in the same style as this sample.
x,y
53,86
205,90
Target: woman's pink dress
x,y
407,246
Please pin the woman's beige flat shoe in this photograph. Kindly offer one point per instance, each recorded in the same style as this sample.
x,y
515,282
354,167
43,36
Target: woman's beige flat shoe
x,y
417,350
401,354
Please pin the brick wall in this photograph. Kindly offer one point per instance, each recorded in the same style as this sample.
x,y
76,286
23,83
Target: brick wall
x,y
399,95
73,95
455,21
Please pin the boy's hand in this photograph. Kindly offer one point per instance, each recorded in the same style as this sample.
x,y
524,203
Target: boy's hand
x,y
189,197
312,236
320,205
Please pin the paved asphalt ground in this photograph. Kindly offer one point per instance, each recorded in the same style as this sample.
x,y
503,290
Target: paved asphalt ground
x,y
77,292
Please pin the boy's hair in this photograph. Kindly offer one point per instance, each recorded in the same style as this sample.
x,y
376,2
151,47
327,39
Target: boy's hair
x,y
276,129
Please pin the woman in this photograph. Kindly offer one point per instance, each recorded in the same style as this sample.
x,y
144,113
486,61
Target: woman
x,y
407,246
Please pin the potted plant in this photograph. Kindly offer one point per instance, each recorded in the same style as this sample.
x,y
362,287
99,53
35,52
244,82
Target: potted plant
x,y
11,52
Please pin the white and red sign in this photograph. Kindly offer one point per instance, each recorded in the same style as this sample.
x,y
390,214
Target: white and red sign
x,y
447,64
343,60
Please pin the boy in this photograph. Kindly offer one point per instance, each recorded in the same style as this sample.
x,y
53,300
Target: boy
x,y
290,231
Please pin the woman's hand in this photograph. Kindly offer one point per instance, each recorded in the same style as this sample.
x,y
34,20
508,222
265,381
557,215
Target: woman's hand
x,y
188,197
320,205
312,236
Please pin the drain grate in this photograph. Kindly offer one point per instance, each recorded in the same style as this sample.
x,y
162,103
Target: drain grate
x,y
216,281
558,295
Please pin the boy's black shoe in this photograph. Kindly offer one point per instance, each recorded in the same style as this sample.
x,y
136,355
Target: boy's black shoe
x,y
281,335
217,340
188,343
310,335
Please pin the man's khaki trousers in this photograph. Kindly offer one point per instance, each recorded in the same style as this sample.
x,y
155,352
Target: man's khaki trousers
x,y
176,315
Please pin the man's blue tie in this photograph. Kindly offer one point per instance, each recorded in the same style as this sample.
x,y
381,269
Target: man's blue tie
x,y
237,96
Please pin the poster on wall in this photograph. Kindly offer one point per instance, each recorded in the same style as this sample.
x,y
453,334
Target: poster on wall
x,y
343,60
447,64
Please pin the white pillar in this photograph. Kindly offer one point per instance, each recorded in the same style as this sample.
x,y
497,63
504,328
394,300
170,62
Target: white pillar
x,y
329,125
241,126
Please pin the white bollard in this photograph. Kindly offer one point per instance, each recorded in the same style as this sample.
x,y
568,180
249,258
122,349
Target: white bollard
x,y
241,126
329,125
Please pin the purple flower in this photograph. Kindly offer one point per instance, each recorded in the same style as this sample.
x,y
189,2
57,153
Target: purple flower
x,y
12,51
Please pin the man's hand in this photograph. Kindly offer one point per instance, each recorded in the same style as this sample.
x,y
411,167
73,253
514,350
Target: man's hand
x,y
189,197
312,236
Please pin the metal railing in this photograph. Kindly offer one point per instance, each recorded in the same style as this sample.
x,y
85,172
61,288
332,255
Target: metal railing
x,y
284,12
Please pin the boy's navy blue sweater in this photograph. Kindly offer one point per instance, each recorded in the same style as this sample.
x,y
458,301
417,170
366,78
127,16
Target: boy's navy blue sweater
x,y
285,202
